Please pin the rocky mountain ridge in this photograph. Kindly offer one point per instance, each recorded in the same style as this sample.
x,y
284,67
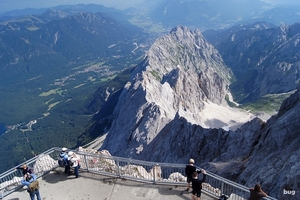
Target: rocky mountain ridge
x,y
182,75
257,49
178,65
159,118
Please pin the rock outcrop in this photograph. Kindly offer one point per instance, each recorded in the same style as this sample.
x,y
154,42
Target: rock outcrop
x,y
275,159
264,58
158,118
181,73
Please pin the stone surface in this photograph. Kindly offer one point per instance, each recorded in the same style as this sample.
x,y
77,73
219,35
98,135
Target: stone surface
x,y
160,117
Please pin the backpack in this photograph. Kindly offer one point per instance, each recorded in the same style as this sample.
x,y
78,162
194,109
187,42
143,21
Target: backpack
x,y
71,163
61,161
34,186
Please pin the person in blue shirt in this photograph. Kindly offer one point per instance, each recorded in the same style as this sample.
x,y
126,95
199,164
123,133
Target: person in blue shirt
x,y
29,178
64,155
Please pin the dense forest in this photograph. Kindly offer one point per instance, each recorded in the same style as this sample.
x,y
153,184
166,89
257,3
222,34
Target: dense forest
x,y
64,110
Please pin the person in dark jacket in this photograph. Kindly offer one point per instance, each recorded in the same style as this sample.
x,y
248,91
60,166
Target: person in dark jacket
x,y
189,170
257,193
197,184
25,169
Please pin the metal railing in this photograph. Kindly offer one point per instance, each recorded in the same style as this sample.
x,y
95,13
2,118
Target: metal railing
x,y
136,170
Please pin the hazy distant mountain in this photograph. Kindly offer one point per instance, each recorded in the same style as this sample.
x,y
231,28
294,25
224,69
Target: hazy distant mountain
x,y
68,10
280,14
200,14
264,58
34,45
218,14
205,14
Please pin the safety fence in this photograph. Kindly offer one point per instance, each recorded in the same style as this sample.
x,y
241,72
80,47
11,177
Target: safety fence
x,y
136,170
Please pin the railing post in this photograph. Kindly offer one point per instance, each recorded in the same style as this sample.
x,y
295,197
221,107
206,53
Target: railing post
x,y
119,170
154,173
86,162
222,186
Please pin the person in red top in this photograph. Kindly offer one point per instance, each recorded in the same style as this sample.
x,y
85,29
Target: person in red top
x,y
257,193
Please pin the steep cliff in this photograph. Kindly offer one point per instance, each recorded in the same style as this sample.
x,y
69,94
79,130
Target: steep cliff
x,y
182,75
171,111
264,58
258,152
275,160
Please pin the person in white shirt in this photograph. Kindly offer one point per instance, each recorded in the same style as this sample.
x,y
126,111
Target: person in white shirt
x,y
74,162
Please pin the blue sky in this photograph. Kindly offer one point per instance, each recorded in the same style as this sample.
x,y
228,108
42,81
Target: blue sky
x,y
7,5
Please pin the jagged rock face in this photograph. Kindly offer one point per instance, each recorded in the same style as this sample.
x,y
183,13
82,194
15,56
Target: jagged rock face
x,y
258,152
252,51
156,119
180,72
266,153
275,160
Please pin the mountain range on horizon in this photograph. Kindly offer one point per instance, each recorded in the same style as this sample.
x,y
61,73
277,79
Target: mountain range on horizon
x,y
199,14
155,101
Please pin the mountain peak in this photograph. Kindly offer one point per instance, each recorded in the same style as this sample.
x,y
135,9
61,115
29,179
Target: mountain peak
x,y
188,50
182,75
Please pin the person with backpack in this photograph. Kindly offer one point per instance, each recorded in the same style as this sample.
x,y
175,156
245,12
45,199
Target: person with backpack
x,y
197,184
74,162
32,185
63,160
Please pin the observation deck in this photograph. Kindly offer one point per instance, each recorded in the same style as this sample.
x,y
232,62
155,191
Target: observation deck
x,y
106,177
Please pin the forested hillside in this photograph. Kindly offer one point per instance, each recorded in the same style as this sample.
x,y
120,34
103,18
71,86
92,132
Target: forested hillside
x,y
50,70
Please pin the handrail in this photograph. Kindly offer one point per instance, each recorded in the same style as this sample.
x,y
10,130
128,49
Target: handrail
x,y
127,168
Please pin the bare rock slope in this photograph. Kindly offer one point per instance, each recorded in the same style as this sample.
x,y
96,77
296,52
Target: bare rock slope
x,y
182,74
167,113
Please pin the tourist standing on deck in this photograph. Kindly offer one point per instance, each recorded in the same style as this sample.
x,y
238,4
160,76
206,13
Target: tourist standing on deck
x,y
25,169
32,185
74,162
189,170
64,158
197,184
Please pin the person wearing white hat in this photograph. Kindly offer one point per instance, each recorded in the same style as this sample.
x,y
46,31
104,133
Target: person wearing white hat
x,y
74,162
64,157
